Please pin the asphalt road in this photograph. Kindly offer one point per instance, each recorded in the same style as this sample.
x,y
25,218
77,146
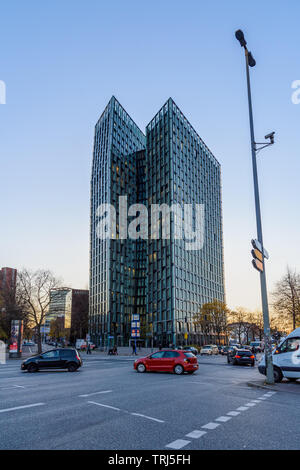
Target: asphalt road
x,y
107,405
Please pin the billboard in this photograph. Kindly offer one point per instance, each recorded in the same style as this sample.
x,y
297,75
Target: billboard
x,y
15,343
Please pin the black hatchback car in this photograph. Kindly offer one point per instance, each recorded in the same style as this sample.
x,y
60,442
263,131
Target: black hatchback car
x,y
191,349
61,358
241,356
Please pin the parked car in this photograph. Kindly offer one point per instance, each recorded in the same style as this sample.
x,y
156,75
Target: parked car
x,y
83,346
286,358
231,349
191,349
28,343
209,349
225,349
241,356
62,358
247,346
256,346
168,361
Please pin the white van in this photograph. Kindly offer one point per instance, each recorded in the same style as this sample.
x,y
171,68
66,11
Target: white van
x,y
286,358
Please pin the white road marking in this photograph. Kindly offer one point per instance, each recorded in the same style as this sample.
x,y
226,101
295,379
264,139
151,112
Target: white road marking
x,y
250,404
242,408
21,407
223,419
178,444
10,387
262,398
210,426
147,417
233,413
255,401
196,434
105,406
95,393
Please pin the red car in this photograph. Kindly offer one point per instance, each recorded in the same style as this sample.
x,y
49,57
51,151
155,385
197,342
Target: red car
x,y
170,360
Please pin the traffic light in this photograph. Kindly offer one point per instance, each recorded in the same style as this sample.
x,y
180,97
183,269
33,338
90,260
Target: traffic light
x,y
258,253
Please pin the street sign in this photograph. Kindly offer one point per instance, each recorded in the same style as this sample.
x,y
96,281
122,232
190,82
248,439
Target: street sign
x,y
135,333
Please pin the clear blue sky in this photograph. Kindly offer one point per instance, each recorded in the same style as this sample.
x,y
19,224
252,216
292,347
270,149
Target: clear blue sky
x,y
61,62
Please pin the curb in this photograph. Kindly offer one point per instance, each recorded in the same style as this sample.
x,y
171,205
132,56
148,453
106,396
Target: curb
x,y
275,388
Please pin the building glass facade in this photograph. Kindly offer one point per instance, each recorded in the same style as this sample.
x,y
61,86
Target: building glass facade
x,y
158,278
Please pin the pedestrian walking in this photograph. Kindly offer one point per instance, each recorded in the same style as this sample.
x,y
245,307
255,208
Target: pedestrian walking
x,y
134,349
88,349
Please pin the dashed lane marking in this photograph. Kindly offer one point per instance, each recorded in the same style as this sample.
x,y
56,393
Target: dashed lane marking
x,y
196,434
94,393
179,444
128,412
104,406
210,426
223,419
147,417
21,407
233,413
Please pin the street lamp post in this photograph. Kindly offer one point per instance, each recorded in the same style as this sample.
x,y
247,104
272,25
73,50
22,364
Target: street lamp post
x,y
250,62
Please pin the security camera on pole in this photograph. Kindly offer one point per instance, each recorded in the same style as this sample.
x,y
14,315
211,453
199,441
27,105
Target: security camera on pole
x,y
259,253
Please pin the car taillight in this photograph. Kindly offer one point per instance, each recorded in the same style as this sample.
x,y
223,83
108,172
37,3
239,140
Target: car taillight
x,y
252,357
77,357
238,357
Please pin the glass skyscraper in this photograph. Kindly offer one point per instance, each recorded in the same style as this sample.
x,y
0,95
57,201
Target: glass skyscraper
x,y
156,277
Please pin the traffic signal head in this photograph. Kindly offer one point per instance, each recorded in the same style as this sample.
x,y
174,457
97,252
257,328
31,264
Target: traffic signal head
x,y
258,265
257,254
258,257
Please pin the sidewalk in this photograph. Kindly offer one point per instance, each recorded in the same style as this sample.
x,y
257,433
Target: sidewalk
x,y
124,351
284,386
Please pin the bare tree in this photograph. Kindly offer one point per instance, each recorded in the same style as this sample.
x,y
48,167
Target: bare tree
x,y
33,293
287,298
237,319
212,318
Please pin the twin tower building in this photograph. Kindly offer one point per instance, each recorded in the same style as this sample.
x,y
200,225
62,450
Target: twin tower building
x,y
164,272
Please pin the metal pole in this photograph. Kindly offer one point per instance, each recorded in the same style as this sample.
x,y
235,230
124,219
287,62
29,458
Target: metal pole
x,y
263,282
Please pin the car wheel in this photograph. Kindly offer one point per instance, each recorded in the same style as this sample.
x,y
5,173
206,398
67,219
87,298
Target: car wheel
x,y
277,375
72,367
141,368
178,369
32,368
